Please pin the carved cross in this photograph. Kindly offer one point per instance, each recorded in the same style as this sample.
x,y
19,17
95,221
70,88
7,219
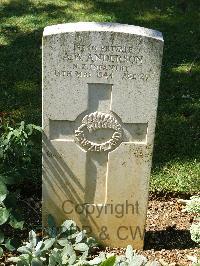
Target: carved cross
x,y
97,131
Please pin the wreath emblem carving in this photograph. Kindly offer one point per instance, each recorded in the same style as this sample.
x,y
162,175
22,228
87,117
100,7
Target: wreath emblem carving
x,y
96,121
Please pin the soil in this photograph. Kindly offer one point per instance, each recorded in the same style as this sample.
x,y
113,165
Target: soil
x,y
167,237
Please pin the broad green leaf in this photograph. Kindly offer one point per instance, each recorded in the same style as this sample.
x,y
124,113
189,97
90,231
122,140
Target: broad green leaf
x,y
39,248
81,247
109,262
73,235
52,260
17,225
138,260
63,242
11,244
1,252
9,136
1,237
30,128
39,245
56,257
32,238
95,261
68,249
25,135
16,133
129,252
38,128
36,262
67,225
84,255
102,256
24,250
68,255
25,257
21,125
48,243
68,260
65,259
72,259
23,262
4,215
15,221
80,237
3,191
29,246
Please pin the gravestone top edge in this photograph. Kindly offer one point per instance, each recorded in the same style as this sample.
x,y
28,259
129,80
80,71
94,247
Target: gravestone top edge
x,y
102,26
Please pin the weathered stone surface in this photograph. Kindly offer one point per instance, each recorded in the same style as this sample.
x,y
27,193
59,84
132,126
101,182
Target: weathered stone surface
x,y
100,93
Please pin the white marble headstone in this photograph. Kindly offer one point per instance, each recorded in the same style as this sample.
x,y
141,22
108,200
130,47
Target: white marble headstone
x,y
100,94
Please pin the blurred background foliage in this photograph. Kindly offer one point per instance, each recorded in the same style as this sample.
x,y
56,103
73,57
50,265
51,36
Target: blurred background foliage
x,y
176,164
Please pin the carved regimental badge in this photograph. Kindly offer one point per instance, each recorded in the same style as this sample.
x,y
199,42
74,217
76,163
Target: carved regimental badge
x,y
96,121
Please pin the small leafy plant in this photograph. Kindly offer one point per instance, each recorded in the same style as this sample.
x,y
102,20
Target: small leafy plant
x,y
193,205
17,146
64,246
17,151
68,245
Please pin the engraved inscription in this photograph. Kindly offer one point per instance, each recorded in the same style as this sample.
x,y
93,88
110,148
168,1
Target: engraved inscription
x,y
101,74
110,58
103,62
103,48
96,121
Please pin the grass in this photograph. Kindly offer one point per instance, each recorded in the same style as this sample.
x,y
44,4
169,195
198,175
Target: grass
x,y
176,161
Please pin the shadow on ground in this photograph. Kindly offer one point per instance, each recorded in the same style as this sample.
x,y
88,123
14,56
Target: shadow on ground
x,y
168,239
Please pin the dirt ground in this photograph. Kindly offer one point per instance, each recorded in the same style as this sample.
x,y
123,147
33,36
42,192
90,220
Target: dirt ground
x,y
167,234
167,237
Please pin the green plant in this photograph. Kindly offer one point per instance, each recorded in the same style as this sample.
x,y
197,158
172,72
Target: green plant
x,y
17,146
195,232
193,205
64,246
68,245
131,258
16,157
